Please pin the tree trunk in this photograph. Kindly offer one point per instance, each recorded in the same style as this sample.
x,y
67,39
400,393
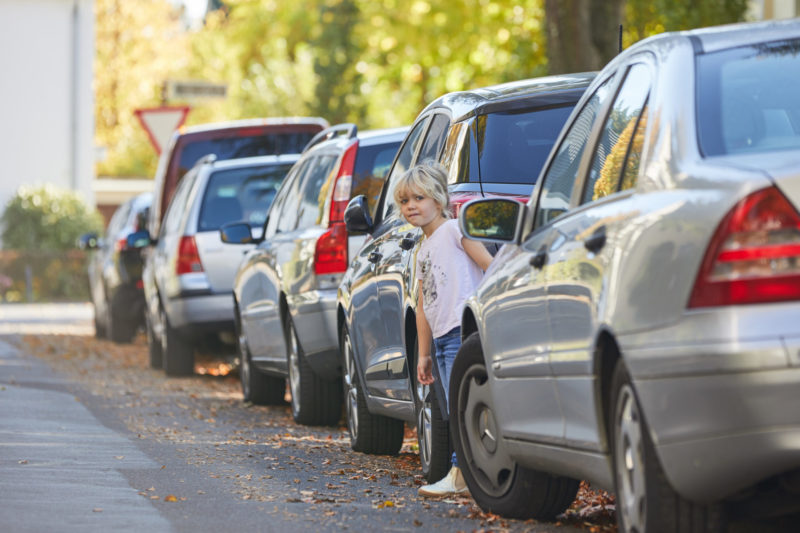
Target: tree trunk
x,y
582,34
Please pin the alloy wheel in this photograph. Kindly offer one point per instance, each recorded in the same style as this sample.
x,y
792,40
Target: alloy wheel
x,y
424,423
244,366
350,387
294,368
629,461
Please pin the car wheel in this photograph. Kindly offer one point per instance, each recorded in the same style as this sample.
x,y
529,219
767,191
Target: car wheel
x,y
375,434
645,499
257,387
315,401
177,352
433,431
497,483
153,345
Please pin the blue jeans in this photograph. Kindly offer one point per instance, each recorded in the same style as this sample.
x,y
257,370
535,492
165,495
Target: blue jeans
x,y
446,349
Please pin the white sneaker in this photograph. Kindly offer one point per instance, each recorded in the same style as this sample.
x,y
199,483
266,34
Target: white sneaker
x,y
450,485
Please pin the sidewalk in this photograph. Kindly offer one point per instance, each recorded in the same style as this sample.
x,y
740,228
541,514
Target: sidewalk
x,y
51,319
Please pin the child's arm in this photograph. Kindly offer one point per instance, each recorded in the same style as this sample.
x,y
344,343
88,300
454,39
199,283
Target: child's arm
x,y
424,338
477,252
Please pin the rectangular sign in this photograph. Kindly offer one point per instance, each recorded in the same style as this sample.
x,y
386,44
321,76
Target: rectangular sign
x,y
192,89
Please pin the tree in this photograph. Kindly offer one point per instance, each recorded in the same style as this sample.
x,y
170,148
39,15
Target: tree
x,y
582,34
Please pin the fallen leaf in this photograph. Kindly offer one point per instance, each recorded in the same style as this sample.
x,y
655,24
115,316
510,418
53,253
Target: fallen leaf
x,y
23,462
119,457
97,510
170,498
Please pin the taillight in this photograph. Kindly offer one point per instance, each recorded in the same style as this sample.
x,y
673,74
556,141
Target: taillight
x,y
754,255
343,184
188,258
330,255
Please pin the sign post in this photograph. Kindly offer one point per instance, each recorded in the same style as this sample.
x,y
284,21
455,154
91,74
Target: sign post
x,y
160,122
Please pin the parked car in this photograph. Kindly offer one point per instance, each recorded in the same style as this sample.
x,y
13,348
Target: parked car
x,y
492,141
285,289
115,272
639,329
188,275
226,140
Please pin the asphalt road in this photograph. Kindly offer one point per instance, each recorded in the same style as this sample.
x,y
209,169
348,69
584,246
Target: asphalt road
x,y
93,440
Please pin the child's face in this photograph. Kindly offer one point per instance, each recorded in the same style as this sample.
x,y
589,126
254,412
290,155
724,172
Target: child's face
x,y
418,209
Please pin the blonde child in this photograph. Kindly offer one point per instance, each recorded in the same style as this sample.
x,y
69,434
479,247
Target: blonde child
x,y
449,267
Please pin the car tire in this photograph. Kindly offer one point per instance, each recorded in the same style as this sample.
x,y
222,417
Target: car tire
x,y
645,499
433,431
257,387
373,434
315,401
177,352
497,483
153,346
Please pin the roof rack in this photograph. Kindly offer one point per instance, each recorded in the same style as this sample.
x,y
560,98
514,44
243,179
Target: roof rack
x,y
346,129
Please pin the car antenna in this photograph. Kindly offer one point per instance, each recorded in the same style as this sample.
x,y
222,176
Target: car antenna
x,y
620,38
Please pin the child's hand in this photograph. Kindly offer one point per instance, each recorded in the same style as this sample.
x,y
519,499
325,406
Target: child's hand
x,y
425,370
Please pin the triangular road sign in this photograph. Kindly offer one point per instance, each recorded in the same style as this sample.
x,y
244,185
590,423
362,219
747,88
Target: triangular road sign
x,y
160,122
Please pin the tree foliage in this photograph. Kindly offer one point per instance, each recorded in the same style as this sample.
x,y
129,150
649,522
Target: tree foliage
x,y
46,218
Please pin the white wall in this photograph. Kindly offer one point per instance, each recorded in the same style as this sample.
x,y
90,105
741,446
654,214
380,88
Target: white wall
x,y
47,119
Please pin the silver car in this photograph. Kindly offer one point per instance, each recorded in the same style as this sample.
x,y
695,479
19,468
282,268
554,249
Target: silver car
x,y
640,328
285,289
188,274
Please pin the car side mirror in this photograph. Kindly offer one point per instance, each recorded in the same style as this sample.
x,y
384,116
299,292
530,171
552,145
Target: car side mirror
x,y
356,216
236,233
138,239
88,241
495,220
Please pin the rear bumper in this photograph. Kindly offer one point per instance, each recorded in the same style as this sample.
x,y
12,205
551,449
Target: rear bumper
x,y
723,416
314,317
201,313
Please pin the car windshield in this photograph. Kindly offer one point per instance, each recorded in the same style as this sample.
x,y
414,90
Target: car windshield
x,y
513,146
244,146
242,194
747,99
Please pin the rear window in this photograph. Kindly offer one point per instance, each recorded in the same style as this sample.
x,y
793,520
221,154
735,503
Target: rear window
x,y
244,146
372,165
747,99
242,194
513,146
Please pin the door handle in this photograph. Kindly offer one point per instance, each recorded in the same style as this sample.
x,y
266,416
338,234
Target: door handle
x,y
538,260
374,257
595,242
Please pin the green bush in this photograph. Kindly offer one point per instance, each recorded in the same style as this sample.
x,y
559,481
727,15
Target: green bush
x,y
46,218
51,276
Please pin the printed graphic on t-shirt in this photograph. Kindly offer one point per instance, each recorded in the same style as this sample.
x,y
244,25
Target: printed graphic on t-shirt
x,y
430,282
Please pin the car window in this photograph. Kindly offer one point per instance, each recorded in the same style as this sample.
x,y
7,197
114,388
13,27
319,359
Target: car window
x,y
177,205
287,217
560,177
371,166
514,145
274,213
312,197
614,147
401,164
434,139
241,194
455,157
747,99
118,220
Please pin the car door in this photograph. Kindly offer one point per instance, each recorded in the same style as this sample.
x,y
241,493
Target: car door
x,y
578,261
376,343
517,330
261,311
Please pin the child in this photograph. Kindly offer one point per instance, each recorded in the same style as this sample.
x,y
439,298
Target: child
x,y
449,268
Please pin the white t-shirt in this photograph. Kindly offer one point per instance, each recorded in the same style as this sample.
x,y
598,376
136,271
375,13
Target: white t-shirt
x,y
448,276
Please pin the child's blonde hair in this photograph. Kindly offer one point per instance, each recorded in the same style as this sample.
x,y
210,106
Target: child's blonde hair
x,y
428,179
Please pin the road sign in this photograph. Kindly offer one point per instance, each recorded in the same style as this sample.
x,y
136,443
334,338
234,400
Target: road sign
x,y
194,89
160,122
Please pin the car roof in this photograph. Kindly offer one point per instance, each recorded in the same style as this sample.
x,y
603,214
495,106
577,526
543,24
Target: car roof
x,y
506,95
365,137
253,122
244,162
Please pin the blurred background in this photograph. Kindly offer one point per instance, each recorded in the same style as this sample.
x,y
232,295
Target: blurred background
x,y
75,72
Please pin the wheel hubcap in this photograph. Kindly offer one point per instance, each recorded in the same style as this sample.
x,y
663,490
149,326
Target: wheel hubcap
x,y
484,451
294,370
162,318
424,425
629,462
244,367
350,390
